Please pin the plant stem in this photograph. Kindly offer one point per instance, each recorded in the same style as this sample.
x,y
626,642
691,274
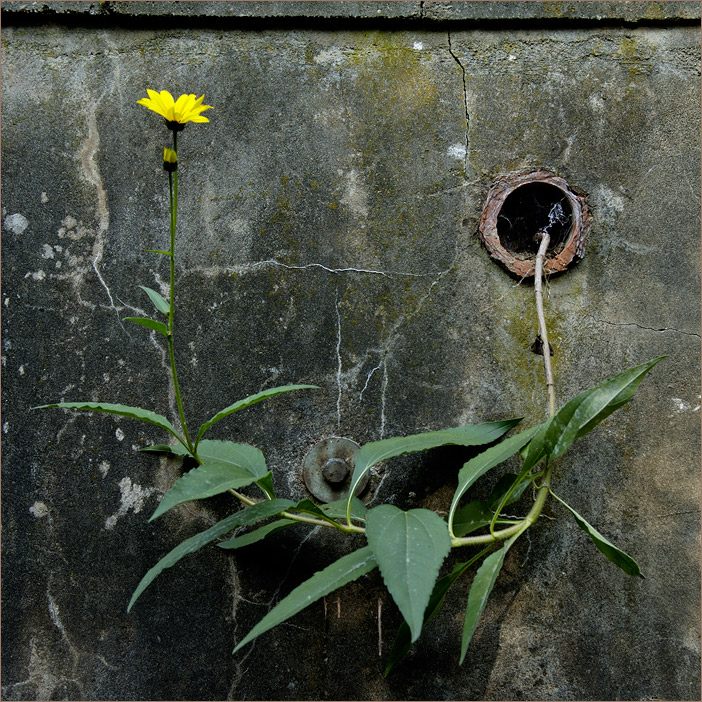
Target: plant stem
x,y
543,331
351,528
544,488
173,197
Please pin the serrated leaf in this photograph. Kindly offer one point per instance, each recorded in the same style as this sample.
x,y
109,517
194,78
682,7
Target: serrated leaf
x,y
246,456
480,589
225,466
122,410
485,461
245,517
403,641
258,534
347,568
206,480
409,548
469,435
614,554
247,402
159,327
159,303
597,404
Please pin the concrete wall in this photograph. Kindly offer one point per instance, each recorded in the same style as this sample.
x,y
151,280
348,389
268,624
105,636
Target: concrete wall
x,y
328,235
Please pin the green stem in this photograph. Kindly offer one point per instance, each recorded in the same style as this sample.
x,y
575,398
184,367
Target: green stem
x,y
521,526
351,529
173,196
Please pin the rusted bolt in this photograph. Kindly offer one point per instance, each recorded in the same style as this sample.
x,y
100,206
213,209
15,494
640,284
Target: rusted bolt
x,y
327,467
517,208
335,471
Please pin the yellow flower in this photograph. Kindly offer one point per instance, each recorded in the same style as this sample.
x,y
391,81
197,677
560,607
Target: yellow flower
x,y
176,113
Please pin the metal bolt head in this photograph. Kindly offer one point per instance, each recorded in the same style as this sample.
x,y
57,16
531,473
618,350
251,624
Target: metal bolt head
x,y
335,471
327,469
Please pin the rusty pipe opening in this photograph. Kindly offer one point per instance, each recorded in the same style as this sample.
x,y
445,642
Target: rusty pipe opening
x,y
518,206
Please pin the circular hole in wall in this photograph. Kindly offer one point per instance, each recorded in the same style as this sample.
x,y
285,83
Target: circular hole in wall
x,y
518,205
528,209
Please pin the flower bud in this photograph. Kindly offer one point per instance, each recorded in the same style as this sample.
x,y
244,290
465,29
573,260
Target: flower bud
x,y
170,160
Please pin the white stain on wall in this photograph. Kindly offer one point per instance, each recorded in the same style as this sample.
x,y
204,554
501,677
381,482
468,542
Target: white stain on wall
x,y
132,497
16,223
39,510
457,151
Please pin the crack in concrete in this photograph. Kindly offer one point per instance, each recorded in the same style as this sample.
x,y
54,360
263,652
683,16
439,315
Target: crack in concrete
x,y
465,102
339,364
385,352
240,672
246,268
368,378
641,326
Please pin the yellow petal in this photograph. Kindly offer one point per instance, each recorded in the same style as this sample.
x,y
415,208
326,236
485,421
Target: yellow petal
x,y
182,107
167,104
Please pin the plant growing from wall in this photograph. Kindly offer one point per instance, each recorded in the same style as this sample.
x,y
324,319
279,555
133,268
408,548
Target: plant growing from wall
x,y
408,547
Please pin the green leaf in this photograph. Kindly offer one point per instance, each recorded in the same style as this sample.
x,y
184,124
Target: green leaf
x,y
409,548
480,590
403,641
266,484
503,487
245,456
485,461
159,303
244,517
204,481
471,517
225,466
122,410
160,327
614,554
307,506
258,534
595,405
247,402
534,451
159,251
469,435
478,514
347,568
337,509
174,449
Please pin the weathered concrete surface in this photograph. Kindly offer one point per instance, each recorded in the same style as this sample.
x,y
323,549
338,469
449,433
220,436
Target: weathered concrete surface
x,y
328,235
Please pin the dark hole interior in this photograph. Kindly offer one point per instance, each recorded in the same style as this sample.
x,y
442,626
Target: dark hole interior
x,y
526,210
